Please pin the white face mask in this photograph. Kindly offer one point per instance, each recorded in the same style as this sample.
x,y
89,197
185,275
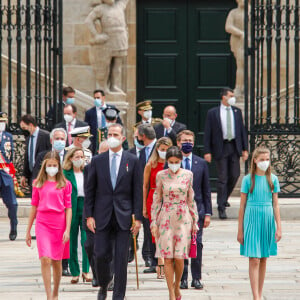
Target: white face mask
x,y
78,163
162,154
2,126
174,167
263,165
86,143
68,118
147,114
52,171
231,101
169,120
113,142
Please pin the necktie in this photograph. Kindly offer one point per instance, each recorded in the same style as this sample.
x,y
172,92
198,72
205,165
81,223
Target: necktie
x,y
166,132
69,135
31,152
187,164
113,170
229,129
147,153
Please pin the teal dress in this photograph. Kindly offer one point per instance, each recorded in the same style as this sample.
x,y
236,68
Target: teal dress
x,y
259,221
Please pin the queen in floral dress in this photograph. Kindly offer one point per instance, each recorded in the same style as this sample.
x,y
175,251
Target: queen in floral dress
x,y
174,216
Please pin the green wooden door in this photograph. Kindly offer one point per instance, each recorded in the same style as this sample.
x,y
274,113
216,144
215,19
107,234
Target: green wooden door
x,y
184,58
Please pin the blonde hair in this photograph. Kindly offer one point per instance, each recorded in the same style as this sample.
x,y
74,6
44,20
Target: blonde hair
x,y
42,176
154,156
67,164
258,151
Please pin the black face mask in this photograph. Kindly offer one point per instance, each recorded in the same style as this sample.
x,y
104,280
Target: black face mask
x,y
25,132
141,142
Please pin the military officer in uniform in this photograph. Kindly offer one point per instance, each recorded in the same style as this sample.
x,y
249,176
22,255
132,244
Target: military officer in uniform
x,y
81,138
6,176
144,109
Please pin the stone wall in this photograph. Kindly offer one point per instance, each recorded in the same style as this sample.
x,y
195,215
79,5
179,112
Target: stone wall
x,y
78,70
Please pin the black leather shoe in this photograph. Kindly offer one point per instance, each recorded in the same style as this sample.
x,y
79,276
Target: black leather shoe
x,y
150,270
197,284
66,272
222,214
227,204
111,285
102,294
147,262
184,284
130,256
13,235
95,282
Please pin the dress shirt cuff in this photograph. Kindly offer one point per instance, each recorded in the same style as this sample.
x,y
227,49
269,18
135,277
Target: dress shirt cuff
x,y
208,214
169,130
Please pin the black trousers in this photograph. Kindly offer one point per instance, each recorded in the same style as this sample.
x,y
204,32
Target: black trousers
x,y
228,169
112,237
196,263
89,249
146,250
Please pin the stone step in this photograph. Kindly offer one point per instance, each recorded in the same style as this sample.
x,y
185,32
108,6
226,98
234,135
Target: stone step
x,y
289,208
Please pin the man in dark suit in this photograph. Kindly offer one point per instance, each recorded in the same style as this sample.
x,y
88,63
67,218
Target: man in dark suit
x,y
68,97
113,194
37,140
202,196
146,137
225,139
58,137
169,126
70,122
96,119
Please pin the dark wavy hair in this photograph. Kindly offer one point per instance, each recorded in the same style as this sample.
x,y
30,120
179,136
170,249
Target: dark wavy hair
x,y
174,151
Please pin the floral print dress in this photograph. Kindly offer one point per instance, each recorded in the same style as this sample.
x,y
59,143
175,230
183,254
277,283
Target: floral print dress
x,y
174,211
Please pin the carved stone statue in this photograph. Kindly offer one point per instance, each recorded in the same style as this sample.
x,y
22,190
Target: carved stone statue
x,y
109,44
235,26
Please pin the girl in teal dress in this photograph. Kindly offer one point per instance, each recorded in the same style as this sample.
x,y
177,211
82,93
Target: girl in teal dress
x,y
259,210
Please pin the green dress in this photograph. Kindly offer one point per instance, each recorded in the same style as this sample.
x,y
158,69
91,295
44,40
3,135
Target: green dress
x,y
259,221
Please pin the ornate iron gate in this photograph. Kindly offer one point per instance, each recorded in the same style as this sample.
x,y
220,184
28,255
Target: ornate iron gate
x,y
31,72
272,85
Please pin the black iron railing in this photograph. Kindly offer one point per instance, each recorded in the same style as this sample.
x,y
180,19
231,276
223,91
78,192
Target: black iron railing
x,y
31,69
272,85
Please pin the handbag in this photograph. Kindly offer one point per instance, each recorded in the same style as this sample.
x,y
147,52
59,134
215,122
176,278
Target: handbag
x,y
193,248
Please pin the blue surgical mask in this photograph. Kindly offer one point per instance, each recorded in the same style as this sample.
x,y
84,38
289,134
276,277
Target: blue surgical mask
x,y
98,102
137,144
70,101
59,145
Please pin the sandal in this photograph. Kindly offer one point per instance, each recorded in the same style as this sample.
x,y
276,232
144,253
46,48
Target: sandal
x,y
160,272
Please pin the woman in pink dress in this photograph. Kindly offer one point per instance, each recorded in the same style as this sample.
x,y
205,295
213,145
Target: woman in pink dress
x,y
155,164
51,206
174,218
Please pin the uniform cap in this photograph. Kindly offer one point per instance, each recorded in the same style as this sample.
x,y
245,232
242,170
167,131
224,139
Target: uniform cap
x,y
145,105
81,132
110,113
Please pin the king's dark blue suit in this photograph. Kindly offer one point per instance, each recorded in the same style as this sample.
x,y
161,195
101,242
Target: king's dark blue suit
x,y
112,210
202,196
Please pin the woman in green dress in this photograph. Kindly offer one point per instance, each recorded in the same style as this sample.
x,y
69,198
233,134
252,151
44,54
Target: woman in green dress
x,y
73,171
259,211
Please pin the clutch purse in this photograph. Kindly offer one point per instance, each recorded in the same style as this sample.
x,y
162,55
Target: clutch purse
x,y
193,248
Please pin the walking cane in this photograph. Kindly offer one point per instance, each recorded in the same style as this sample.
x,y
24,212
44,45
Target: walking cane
x,y
135,255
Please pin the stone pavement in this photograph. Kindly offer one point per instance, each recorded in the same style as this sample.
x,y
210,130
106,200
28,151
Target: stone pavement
x,y
225,271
